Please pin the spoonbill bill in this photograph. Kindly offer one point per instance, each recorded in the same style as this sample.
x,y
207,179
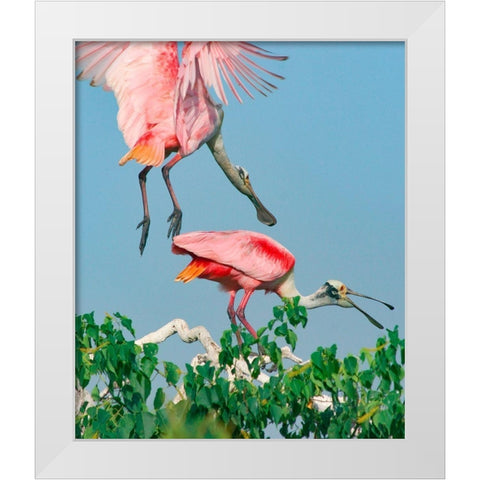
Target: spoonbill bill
x,y
164,105
250,261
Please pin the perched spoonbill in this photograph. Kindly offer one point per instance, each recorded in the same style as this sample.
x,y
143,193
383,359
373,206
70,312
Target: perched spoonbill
x,y
249,261
164,106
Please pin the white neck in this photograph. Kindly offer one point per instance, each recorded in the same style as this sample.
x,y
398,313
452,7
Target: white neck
x,y
314,300
215,144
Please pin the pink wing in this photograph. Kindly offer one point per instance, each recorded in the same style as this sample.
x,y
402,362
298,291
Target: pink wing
x,y
196,117
142,75
94,58
230,60
256,255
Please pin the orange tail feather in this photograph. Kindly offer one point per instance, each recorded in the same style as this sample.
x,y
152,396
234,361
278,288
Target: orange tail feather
x,y
145,153
194,269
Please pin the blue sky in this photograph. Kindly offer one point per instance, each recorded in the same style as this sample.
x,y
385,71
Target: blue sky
x,y
326,155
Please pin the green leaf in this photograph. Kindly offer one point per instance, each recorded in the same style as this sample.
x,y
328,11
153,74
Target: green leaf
x,y
296,386
366,378
316,358
226,339
159,398
332,350
206,371
351,365
89,318
107,326
95,393
125,426
365,355
225,357
291,338
245,347
274,353
126,322
148,365
252,404
255,367
385,385
281,330
261,331
350,389
302,311
271,323
203,398
145,424
93,332
150,349
141,385
276,413
334,430
393,336
172,372
382,420
222,387
100,423
278,313
214,398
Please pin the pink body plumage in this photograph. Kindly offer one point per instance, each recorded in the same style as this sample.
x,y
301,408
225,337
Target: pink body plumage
x,y
238,260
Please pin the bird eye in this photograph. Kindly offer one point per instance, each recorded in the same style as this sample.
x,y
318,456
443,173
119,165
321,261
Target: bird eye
x,y
333,292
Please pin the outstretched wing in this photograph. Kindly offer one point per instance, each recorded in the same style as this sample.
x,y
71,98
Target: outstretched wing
x,y
231,61
252,253
93,59
143,77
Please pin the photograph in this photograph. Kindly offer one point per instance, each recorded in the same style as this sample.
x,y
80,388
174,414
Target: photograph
x,y
197,288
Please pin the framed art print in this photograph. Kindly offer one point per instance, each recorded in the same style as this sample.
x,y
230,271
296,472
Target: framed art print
x,y
327,122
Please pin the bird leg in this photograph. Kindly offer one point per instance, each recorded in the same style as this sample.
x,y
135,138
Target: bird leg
x,y
241,313
241,316
175,218
231,316
145,223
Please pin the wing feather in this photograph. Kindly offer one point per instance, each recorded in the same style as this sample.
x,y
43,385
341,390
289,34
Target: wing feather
x,y
256,255
230,60
93,59
142,76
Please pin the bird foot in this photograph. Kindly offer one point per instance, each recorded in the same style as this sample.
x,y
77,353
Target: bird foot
x,y
145,224
175,220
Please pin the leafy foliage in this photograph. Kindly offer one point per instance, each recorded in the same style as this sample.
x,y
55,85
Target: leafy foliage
x,y
364,392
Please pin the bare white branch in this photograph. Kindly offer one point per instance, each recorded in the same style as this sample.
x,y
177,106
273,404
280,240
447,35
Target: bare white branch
x,y
186,334
81,396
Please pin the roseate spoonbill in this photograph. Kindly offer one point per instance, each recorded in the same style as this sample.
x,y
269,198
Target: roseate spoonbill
x,y
240,259
164,106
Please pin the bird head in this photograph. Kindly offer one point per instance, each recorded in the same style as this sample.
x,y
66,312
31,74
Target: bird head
x,y
337,294
242,182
